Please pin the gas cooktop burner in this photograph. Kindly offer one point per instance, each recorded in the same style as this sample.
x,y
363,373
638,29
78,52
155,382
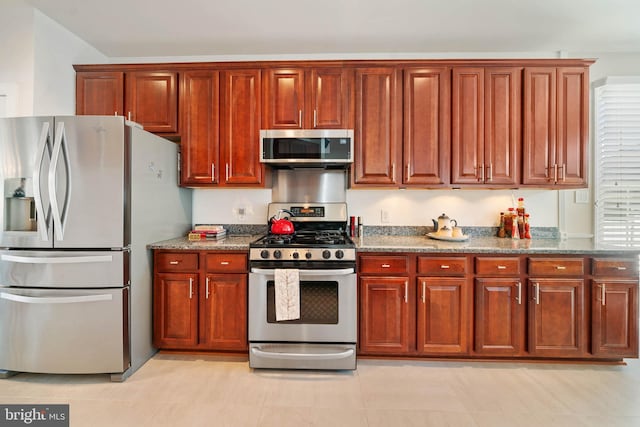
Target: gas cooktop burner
x,y
304,239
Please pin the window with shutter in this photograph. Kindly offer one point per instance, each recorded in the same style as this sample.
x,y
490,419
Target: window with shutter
x,y
617,162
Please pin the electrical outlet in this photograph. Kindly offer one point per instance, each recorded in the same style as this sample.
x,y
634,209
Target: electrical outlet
x,y
384,216
582,196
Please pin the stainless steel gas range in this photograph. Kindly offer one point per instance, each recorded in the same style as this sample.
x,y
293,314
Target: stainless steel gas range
x,y
323,257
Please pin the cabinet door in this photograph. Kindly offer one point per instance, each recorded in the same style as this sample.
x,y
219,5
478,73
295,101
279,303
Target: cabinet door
x,y
467,123
384,314
426,126
556,318
152,100
240,128
330,99
175,310
499,312
224,312
539,126
502,125
443,315
614,318
199,114
378,130
100,93
284,99
573,126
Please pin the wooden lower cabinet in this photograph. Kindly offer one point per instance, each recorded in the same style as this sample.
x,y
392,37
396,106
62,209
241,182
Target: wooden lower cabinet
x,y
443,313
175,310
499,316
614,316
204,308
385,315
557,323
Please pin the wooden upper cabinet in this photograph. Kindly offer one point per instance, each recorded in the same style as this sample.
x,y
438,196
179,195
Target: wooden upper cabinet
x,y
378,131
151,99
199,124
426,144
556,126
317,98
100,93
240,128
485,126
284,99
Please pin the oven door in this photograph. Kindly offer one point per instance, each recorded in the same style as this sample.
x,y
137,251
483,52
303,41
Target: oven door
x,y
325,335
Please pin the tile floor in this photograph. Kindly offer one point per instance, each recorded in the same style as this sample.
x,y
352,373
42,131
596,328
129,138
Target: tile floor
x,y
175,390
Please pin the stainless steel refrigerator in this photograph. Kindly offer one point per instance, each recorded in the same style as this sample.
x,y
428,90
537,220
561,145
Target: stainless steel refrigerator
x,y
82,196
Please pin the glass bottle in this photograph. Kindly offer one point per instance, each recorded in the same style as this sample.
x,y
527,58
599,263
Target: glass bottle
x,y
515,234
501,231
527,227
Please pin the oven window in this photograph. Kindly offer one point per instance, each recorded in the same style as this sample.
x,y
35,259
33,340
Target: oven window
x,y
318,303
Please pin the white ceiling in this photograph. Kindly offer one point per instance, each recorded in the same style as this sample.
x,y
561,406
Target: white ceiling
x,y
158,28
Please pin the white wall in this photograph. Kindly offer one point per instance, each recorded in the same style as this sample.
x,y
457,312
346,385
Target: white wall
x,y
16,55
56,49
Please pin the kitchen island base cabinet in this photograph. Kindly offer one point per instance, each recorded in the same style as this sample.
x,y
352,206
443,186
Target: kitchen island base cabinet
x,y
200,301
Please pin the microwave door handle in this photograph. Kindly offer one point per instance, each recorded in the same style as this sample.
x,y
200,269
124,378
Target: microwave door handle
x,y
41,219
308,273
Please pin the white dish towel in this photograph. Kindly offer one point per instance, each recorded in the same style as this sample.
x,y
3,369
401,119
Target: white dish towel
x,y
287,287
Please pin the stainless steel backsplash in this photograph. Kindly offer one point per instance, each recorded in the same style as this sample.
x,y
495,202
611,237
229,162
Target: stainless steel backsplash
x,y
309,185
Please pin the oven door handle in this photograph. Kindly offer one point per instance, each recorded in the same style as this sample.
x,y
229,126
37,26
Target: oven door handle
x,y
306,273
305,356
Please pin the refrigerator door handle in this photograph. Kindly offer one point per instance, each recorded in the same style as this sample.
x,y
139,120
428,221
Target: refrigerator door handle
x,y
41,219
59,216
56,260
55,300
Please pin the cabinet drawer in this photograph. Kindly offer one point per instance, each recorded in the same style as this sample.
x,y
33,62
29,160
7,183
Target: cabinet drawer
x,y
442,266
384,264
224,263
176,261
498,266
556,266
615,267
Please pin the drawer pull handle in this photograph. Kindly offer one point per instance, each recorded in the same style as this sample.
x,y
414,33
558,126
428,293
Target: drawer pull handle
x,y
174,262
385,265
444,266
621,268
224,262
560,267
502,267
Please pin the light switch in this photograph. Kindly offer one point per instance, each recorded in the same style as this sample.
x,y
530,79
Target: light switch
x,y
582,196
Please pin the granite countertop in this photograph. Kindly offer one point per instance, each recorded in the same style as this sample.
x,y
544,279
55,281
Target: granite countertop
x,y
385,243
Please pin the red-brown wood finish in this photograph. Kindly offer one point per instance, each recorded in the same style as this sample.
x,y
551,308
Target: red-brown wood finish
x,y
151,99
199,115
556,317
467,126
426,144
614,305
443,265
240,128
330,100
385,314
284,99
224,312
499,316
100,93
572,126
443,315
378,130
175,310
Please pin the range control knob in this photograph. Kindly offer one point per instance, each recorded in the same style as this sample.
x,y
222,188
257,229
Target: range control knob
x,y
295,255
308,255
339,254
277,254
264,254
326,254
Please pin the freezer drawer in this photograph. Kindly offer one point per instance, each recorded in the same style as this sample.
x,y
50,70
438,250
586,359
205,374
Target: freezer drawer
x,y
64,331
64,269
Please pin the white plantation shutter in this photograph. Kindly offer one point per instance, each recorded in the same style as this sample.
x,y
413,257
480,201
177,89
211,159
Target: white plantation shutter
x,y
617,156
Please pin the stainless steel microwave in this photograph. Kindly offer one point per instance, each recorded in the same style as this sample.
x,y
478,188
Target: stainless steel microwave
x,y
307,147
